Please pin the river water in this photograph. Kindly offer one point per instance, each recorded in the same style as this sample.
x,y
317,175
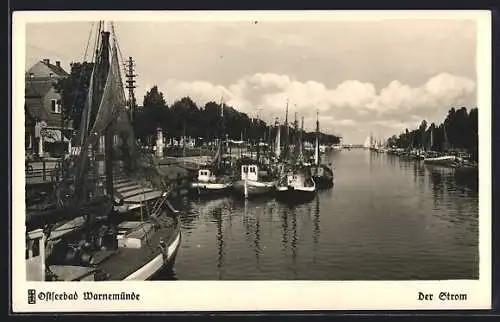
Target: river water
x,y
385,219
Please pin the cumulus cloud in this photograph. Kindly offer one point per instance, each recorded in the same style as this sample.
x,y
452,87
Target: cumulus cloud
x,y
350,104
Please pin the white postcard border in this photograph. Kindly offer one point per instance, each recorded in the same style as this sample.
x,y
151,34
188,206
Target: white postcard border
x,y
253,295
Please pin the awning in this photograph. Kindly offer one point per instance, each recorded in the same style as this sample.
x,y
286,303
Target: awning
x,y
51,135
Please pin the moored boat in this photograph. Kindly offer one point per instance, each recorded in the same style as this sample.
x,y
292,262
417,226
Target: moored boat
x,y
445,160
214,178
101,227
254,181
296,185
208,182
321,173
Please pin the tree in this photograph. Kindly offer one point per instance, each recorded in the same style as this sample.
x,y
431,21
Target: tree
x,y
152,115
74,90
184,117
154,97
458,131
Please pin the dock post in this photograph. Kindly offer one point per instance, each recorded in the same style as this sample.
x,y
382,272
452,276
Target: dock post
x,y
43,170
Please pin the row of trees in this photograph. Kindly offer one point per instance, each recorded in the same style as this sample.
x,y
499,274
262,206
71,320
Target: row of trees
x,y
459,131
182,118
185,118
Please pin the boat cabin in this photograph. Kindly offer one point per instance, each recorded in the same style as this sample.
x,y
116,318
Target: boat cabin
x,y
249,172
205,175
35,256
317,171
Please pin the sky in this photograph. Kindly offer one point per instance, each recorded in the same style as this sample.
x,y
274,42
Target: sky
x,y
361,77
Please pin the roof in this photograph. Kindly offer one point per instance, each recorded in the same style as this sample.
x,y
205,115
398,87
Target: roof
x,y
56,69
44,69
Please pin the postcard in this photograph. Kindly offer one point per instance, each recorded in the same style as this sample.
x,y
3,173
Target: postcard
x,y
260,160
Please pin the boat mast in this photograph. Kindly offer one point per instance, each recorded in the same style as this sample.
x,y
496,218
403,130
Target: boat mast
x,y
296,138
432,139
108,134
277,143
285,148
316,147
445,145
301,154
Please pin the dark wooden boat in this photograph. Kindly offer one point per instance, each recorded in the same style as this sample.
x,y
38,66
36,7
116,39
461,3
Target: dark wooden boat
x,y
322,174
296,185
97,225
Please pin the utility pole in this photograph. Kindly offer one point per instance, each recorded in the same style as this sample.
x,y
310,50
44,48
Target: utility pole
x,y
130,86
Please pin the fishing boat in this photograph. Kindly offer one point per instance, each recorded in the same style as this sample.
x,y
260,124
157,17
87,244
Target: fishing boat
x,y
209,182
213,178
446,160
436,158
101,222
295,183
321,173
255,179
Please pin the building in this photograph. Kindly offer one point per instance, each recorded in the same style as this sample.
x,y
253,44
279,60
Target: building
x,y
46,132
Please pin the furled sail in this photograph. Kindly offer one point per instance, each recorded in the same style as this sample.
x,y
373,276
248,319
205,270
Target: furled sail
x,y
278,142
218,153
316,147
112,116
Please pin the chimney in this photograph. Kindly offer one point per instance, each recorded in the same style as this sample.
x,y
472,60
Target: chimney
x,y
46,61
58,64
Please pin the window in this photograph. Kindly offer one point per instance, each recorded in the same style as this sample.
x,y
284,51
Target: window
x,y
32,75
55,107
51,75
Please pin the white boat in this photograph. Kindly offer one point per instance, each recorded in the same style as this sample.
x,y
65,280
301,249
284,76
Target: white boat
x,y
447,160
254,181
209,183
435,158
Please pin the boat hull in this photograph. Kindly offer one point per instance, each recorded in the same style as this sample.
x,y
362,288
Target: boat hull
x,y
208,188
147,262
322,176
295,195
323,182
159,264
253,188
443,161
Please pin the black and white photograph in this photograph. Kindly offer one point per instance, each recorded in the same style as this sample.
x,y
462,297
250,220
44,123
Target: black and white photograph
x,y
182,148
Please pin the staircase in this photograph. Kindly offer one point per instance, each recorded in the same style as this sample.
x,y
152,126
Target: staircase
x,y
131,194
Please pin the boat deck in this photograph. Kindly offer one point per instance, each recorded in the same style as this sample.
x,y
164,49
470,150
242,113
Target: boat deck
x,y
127,260
132,193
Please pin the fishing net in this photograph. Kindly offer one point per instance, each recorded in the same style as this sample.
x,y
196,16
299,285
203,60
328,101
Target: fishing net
x,y
110,118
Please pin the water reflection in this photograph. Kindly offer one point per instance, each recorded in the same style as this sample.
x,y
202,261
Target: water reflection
x,y
220,247
284,230
316,229
257,249
402,220
294,242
